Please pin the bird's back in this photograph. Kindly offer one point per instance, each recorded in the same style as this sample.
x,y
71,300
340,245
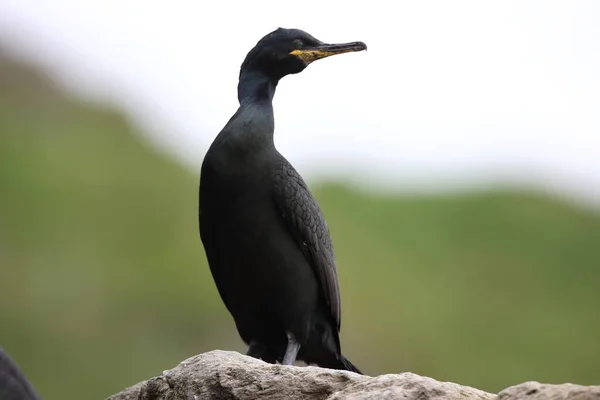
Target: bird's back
x,y
13,383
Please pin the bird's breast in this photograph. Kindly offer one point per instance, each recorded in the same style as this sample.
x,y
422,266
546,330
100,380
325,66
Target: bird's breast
x,y
234,185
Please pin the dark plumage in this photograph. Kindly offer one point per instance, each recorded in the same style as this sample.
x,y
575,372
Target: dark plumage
x,y
13,383
265,237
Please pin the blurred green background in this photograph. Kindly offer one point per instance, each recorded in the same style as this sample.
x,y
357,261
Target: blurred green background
x,y
104,282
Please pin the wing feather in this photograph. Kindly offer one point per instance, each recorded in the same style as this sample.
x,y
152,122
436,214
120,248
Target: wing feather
x,y
306,222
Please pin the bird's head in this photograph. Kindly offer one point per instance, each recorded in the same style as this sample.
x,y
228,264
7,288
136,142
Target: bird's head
x,y
289,51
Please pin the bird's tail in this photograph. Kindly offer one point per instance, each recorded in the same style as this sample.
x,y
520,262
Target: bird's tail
x,y
337,362
348,366
13,383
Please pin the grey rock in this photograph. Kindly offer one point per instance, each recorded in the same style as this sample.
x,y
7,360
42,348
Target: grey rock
x,y
225,375
539,391
228,375
408,386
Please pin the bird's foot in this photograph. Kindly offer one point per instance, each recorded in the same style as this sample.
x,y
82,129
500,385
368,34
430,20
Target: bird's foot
x,y
291,351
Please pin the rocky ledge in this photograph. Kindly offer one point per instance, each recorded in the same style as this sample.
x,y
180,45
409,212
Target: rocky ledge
x,y
226,375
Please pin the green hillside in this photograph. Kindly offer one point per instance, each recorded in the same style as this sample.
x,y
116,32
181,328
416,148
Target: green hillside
x,y
103,280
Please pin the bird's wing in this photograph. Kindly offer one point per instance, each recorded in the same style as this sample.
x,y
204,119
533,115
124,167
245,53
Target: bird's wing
x,y
304,218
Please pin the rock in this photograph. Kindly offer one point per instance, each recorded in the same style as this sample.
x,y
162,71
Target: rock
x,y
539,391
226,375
232,376
407,386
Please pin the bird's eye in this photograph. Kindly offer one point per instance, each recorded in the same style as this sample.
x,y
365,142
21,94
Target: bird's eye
x,y
298,44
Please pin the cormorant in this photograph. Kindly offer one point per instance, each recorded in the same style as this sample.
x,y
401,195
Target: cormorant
x,y
14,385
265,237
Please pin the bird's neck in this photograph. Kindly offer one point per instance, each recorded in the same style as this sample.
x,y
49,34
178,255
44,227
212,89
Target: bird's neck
x,y
250,130
254,86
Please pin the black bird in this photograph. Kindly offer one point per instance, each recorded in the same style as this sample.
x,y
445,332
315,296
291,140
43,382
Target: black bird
x,y
13,383
265,237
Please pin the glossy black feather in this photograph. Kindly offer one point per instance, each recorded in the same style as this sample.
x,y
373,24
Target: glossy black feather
x,y
266,240
306,222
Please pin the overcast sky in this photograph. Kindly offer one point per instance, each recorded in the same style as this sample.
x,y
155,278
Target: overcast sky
x,y
449,92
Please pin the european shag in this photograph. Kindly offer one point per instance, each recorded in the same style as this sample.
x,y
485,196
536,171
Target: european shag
x,y
265,237
14,385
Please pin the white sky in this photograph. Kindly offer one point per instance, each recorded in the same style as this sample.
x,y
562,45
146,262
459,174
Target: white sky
x,y
449,93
